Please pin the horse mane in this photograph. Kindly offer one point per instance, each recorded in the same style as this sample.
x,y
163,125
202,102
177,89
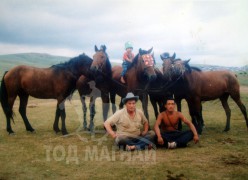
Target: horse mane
x,y
73,63
192,68
108,66
134,62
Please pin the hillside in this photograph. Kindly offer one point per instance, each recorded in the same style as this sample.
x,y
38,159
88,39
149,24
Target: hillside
x,y
32,59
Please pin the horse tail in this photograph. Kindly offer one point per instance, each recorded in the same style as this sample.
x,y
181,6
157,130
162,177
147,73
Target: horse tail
x,y
4,99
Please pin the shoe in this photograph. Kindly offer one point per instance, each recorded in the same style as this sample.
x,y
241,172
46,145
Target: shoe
x,y
122,80
172,145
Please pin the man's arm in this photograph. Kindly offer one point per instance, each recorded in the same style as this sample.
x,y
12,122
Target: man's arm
x,y
109,129
157,130
191,126
145,128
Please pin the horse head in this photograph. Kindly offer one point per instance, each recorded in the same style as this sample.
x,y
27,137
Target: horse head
x,y
173,68
101,65
99,59
145,63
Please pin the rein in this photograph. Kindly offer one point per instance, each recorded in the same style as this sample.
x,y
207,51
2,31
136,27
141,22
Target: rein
x,y
165,87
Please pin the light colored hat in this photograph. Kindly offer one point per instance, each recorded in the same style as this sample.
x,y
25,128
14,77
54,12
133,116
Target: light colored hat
x,y
128,45
129,96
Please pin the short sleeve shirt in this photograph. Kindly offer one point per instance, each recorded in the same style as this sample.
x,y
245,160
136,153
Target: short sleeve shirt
x,y
128,56
125,125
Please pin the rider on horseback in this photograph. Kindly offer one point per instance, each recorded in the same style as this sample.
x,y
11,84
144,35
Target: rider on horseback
x,y
127,59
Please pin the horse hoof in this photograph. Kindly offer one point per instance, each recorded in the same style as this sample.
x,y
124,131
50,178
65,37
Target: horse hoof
x,y
65,133
226,130
31,130
57,131
12,133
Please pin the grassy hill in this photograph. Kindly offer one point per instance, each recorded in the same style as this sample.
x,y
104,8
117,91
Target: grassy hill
x,y
32,59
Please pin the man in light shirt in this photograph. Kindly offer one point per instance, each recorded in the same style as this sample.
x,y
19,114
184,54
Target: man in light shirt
x,y
132,126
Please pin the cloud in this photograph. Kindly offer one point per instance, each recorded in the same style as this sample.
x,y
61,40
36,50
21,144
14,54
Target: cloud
x,y
201,30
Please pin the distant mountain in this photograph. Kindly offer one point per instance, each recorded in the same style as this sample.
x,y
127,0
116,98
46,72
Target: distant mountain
x,y
206,67
214,67
32,59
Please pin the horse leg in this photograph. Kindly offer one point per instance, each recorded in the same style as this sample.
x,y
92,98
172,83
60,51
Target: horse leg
x,y
194,109
7,100
201,117
121,104
154,105
112,99
61,107
84,107
225,105
179,108
56,121
92,113
22,111
144,106
8,114
241,107
105,105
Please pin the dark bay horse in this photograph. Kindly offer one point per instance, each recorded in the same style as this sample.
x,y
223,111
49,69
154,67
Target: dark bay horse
x,y
56,82
196,86
139,74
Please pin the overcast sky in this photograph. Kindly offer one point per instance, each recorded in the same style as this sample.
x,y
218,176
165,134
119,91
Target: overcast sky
x,y
207,31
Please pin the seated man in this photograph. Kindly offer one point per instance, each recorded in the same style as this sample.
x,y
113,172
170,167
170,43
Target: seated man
x,y
129,122
169,136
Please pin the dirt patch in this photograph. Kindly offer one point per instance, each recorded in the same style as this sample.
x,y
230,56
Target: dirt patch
x,y
172,176
235,159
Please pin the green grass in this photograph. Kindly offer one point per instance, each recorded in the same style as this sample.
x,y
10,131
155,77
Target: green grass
x,y
40,155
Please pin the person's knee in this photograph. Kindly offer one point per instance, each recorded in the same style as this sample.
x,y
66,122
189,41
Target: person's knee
x,y
120,140
151,136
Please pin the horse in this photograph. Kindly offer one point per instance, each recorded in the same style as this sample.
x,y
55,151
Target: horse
x,y
139,74
55,82
201,86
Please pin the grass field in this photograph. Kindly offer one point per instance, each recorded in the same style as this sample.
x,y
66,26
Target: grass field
x,y
46,155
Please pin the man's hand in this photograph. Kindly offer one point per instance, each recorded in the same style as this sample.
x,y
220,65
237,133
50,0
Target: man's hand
x,y
160,141
143,133
196,138
113,135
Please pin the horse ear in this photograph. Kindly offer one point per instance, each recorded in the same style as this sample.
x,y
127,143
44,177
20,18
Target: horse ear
x,y
140,51
150,50
96,49
103,47
174,56
186,61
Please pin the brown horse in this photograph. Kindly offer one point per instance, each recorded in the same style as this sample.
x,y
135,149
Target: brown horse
x,y
200,86
139,75
56,82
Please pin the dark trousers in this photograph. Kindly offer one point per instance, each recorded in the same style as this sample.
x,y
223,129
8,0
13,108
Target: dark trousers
x,y
125,66
140,142
180,137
